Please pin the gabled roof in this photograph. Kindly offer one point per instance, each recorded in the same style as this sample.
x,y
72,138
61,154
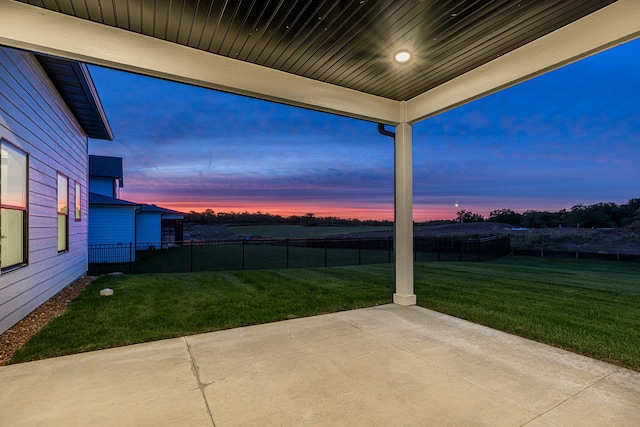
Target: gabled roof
x,y
161,210
99,199
172,212
106,167
74,83
152,209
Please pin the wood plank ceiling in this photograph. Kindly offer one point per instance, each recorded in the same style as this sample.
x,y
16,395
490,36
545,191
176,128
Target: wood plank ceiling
x,y
348,43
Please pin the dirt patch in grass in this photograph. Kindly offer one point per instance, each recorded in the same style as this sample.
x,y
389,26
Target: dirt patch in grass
x,y
16,336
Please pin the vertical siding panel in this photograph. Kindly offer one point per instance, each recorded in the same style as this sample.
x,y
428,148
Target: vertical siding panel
x,y
112,224
34,118
148,227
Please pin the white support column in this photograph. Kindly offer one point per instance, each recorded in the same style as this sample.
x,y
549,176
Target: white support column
x,y
403,215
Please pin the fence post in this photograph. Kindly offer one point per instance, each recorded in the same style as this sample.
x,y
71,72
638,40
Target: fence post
x,y
191,255
213,256
325,252
287,244
130,258
389,243
359,250
243,244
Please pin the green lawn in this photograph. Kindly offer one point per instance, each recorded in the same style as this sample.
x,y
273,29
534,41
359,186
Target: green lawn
x,y
156,306
590,307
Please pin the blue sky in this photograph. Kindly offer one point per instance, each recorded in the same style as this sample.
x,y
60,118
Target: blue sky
x,y
569,137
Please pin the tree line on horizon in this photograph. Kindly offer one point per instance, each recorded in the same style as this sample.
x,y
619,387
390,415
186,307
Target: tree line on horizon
x,y
599,215
260,218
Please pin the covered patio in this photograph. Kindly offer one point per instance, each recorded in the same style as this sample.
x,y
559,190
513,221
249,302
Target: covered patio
x,y
382,366
336,56
391,365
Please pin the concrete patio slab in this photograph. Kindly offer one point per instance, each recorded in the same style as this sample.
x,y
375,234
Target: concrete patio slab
x,y
387,365
140,385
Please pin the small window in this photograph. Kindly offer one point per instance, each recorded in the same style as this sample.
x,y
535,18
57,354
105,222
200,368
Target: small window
x,y
13,207
63,213
78,197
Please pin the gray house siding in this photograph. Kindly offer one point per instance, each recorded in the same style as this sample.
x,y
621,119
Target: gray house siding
x,y
35,119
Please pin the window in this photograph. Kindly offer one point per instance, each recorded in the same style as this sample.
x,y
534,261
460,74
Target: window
x,y
13,207
78,196
63,213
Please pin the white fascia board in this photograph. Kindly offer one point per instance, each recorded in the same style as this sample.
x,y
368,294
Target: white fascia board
x,y
601,30
39,30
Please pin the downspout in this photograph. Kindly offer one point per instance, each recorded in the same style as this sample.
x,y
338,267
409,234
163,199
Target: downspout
x,y
385,132
135,226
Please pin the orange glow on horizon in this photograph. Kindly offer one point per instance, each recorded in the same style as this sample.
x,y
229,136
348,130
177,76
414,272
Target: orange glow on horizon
x,y
369,211
344,209
290,209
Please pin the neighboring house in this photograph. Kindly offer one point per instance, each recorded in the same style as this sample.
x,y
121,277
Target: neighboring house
x,y
48,109
105,175
172,226
131,226
113,221
149,227
156,226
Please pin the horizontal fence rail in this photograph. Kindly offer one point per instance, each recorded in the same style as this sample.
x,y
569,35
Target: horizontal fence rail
x,y
254,254
544,253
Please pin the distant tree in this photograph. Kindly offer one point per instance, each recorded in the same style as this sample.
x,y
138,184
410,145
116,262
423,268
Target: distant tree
x,y
597,215
309,219
505,215
467,216
537,219
630,212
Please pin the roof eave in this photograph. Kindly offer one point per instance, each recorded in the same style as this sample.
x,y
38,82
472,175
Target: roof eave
x,y
94,98
87,107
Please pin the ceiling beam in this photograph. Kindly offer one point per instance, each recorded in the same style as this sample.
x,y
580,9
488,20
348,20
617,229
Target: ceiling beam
x,y
601,30
39,30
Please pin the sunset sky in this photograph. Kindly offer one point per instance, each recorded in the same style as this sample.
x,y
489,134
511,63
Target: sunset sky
x,y
569,137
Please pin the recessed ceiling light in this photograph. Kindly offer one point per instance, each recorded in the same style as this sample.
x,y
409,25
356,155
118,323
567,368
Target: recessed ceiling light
x,y
402,56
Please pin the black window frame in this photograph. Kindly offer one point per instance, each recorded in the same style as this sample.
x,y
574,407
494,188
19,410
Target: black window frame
x,y
59,214
25,210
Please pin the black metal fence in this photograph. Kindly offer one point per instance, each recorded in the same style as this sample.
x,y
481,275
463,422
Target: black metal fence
x,y
191,256
544,253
